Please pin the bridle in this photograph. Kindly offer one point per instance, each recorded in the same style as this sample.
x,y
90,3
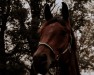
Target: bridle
x,y
51,49
57,56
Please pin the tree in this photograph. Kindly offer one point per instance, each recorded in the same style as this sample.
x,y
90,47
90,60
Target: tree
x,y
19,38
11,11
83,27
22,40
4,13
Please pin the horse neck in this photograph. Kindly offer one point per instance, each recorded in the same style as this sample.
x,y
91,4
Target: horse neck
x,y
73,42
74,55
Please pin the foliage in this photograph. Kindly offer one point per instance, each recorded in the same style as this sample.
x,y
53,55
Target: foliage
x,y
81,20
21,35
21,38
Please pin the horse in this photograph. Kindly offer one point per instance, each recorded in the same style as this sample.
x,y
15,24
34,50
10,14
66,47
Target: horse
x,y
57,46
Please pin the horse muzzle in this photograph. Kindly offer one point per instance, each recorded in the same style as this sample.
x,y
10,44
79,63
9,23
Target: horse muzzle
x,y
40,64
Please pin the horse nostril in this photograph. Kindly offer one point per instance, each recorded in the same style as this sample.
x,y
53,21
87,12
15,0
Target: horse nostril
x,y
43,57
40,58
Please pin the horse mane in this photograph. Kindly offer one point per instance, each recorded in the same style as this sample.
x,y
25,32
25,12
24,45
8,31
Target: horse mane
x,y
73,42
74,54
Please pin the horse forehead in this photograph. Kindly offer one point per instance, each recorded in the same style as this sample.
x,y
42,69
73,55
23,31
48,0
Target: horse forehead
x,y
55,26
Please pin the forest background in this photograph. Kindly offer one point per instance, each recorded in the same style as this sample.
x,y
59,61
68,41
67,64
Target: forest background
x,y
19,22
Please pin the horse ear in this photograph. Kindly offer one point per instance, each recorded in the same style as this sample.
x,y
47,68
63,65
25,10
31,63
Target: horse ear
x,y
65,12
47,13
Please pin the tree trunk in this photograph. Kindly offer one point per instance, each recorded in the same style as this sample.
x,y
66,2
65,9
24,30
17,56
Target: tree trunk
x,y
33,35
3,20
35,10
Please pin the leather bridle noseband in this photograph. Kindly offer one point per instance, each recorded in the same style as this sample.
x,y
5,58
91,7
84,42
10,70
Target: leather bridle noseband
x,y
57,56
